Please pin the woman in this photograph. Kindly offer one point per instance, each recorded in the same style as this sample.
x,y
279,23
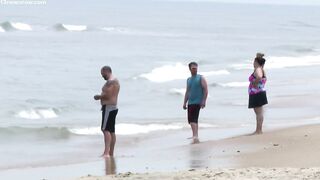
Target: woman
x,y
257,92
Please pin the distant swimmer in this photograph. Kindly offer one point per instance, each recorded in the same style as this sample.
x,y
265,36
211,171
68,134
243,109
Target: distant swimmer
x,y
109,100
196,97
257,91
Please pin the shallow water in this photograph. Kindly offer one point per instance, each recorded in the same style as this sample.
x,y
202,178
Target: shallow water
x,y
50,70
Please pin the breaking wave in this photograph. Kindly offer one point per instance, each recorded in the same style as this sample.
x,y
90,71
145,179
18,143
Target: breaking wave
x,y
71,28
177,71
234,84
132,129
283,62
38,113
36,133
14,26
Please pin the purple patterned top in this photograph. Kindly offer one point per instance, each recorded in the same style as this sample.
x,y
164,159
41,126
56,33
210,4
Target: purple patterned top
x,y
260,88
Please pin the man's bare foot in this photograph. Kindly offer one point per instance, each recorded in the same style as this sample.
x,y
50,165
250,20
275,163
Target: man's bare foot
x,y
256,133
106,156
195,140
193,137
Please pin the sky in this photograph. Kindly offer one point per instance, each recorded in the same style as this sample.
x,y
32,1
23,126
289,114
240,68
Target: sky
x,y
276,2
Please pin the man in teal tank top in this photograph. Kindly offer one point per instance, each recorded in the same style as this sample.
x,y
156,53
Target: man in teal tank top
x,y
196,97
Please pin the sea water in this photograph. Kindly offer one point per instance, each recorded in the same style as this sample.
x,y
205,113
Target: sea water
x,y
51,55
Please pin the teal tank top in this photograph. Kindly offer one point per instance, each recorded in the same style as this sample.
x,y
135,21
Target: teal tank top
x,y
195,90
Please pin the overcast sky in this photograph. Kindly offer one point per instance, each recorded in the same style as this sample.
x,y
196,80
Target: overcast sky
x,y
289,2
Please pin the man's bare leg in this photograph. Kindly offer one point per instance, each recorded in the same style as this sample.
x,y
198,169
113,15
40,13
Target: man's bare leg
x,y
112,144
194,127
107,142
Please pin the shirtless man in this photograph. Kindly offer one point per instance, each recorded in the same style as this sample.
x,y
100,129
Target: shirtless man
x,y
109,99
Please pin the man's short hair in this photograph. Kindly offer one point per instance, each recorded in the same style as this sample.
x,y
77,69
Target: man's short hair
x,y
193,63
107,68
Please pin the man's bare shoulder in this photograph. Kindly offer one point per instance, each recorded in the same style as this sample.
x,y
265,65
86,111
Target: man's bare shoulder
x,y
113,82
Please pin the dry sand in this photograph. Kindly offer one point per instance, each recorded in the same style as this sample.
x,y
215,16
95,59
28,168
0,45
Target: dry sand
x,y
236,174
292,153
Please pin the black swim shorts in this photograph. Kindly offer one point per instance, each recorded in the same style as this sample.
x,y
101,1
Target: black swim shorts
x,y
258,100
193,113
109,114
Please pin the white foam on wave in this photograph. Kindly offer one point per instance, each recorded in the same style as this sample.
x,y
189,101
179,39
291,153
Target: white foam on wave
x,y
126,31
283,62
235,84
175,72
178,91
71,28
132,129
40,113
9,26
115,29
22,26
242,66
86,131
2,30
128,129
219,72
167,73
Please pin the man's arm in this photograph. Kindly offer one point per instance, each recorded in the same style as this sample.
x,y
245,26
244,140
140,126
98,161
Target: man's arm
x,y
186,97
205,91
105,91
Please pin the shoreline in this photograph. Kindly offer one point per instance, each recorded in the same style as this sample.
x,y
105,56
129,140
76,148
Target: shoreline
x,y
278,154
223,174
275,150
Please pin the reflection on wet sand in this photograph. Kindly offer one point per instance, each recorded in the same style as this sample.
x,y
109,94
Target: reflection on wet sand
x,y
110,166
197,157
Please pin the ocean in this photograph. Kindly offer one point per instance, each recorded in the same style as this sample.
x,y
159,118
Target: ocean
x,y
51,56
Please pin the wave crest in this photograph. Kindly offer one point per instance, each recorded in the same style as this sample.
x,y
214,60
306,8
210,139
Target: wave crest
x,y
38,113
132,129
37,133
128,129
71,28
175,72
235,84
177,91
1,29
283,62
14,26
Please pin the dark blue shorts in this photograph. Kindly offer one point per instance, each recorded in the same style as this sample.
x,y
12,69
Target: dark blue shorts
x,y
193,113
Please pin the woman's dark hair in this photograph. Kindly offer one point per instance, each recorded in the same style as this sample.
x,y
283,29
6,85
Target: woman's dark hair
x,y
259,59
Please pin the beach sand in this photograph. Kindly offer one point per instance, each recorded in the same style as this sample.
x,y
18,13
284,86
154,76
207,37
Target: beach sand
x,y
292,153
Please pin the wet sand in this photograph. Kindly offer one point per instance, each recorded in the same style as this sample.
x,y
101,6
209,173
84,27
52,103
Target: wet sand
x,y
291,153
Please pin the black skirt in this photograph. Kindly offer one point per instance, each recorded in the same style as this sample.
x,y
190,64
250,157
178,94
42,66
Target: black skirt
x,y
258,100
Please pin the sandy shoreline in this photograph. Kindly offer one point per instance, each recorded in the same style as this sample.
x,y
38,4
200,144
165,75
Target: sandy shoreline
x,y
291,153
239,173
